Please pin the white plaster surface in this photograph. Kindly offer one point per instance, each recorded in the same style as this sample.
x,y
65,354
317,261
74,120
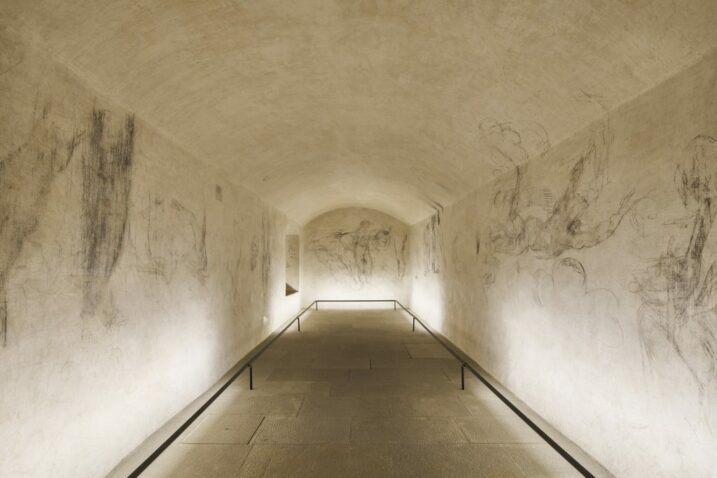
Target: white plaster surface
x,y
132,275
583,280
354,253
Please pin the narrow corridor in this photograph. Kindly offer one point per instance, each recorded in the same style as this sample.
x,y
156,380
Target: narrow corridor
x,y
357,393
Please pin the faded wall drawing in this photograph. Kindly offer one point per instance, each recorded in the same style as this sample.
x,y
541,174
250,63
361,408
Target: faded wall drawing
x,y
26,175
564,287
401,253
267,241
433,244
354,252
106,185
176,238
679,304
508,145
565,228
603,258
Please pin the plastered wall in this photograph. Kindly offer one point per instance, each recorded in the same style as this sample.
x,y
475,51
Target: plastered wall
x,y
131,275
584,279
354,253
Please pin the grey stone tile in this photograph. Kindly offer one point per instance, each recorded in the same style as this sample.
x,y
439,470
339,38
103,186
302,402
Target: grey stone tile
x,y
428,407
266,405
487,404
309,374
303,430
224,429
497,429
346,407
405,430
433,461
198,461
264,387
539,460
341,363
421,364
282,461
430,350
380,375
385,389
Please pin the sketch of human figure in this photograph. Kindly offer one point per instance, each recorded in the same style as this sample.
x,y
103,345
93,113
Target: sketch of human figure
x,y
565,228
677,291
353,251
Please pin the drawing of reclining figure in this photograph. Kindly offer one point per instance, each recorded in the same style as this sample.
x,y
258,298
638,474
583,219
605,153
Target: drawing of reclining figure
x,y
565,228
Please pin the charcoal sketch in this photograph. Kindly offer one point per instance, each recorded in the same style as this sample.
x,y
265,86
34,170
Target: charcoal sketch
x,y
176,239
677,290
432,244
106,185
400,247
356,251
564,229
267,240
564,287
508,145
26,175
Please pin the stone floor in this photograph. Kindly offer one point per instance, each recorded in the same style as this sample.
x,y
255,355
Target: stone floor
x,y
356,393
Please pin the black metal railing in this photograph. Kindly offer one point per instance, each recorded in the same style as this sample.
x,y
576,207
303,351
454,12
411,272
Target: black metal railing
x,y
465,361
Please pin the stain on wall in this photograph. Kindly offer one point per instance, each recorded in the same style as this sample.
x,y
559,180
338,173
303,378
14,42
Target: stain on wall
x,y
354,253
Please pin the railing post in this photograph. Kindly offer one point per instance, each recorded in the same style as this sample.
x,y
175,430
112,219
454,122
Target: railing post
x,y
317,305
414,323
298,324
394,305
463,377
251,378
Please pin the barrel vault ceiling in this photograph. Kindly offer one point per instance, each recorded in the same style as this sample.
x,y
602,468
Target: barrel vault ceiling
x,y
401,106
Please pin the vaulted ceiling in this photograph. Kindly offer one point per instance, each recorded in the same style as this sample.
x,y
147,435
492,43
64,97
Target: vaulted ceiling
x,y
401,106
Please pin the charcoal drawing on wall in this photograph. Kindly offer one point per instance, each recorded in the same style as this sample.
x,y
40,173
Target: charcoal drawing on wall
x,y
176,240
26,175
356,253
568,222
433,244
565,228
106,186
353,251
677,290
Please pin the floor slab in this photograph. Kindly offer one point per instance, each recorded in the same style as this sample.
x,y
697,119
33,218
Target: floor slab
x,y
303,430
358,394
